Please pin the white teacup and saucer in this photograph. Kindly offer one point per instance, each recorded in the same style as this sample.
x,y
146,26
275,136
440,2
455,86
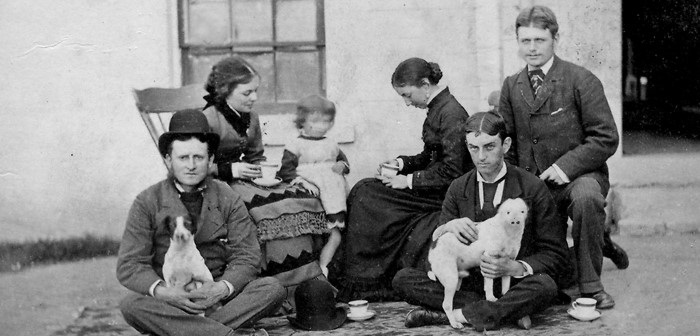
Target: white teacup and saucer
x,y
267,183
268,179
359,310
583,309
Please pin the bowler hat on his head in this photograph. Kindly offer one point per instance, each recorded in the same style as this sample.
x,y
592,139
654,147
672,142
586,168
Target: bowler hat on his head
x,y
188,122
316,308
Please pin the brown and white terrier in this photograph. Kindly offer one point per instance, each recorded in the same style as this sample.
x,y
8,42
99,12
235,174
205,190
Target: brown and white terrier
x,y
184,266
450,259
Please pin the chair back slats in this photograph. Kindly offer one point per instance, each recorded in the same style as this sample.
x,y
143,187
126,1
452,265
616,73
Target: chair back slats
x,y
157,105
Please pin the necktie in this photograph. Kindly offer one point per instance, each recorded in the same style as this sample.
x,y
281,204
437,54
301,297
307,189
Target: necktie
x,y
536,80
489,195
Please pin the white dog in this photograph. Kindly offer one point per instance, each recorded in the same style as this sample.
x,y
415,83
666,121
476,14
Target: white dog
x,y
184,266
450,259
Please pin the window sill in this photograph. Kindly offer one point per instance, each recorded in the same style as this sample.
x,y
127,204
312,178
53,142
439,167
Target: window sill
x,y
279,129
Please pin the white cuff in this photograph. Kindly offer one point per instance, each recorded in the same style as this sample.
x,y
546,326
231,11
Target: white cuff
x,y
528,270
152,289
230,287
400,161
409,181
236,169
561,173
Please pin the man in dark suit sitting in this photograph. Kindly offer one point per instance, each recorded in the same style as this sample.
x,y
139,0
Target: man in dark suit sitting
x,y
564,132
473,198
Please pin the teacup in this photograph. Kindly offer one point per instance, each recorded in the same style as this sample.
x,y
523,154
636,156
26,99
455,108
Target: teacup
x,y
268,170
358,307
584,306
388,170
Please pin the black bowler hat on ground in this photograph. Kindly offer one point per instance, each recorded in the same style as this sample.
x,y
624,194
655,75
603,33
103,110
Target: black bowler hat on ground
x,y
316,308
188,122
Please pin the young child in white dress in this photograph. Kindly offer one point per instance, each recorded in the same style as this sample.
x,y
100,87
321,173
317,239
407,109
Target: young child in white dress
x,y
318,164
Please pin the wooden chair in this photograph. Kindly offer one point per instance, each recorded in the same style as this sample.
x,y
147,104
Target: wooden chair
x,y
157,105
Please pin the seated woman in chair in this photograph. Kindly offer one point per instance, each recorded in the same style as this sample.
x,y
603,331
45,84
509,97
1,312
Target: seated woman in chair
x,y
289,219
391,219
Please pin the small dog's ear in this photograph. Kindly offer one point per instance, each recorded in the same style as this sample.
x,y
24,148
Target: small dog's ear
x,y
169,222
189,224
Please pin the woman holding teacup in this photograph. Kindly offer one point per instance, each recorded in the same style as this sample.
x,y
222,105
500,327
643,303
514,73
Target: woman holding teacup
x,y
391,217
289,219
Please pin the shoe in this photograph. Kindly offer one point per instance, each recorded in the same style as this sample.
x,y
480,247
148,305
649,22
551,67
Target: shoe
x,y
421,317
603,299
614,252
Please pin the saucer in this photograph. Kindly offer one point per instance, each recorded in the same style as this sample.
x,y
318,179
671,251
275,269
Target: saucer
x,y
580,317
267,183
366,316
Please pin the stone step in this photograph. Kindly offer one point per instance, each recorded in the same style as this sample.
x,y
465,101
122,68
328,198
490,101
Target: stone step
x,y
653,210
655,194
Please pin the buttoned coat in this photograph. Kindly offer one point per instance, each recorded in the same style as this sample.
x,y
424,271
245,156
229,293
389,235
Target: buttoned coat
x,y
543,245
226,236
444,156
569,123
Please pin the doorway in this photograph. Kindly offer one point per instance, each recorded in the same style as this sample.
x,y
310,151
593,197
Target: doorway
x,y
661,76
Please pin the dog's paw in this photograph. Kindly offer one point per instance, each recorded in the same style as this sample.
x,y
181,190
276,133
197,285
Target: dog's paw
x,y
490,297
457,325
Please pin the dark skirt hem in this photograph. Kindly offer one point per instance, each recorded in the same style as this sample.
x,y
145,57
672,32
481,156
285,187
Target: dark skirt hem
x,y
373,290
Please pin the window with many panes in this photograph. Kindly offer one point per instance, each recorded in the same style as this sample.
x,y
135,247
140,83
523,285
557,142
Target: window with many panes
x,y
283,39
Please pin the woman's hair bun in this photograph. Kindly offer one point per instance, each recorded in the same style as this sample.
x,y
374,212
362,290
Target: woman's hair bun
x,y
435,72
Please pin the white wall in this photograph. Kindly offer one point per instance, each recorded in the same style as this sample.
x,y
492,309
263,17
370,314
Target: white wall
x,y
365,41
474,43
74,150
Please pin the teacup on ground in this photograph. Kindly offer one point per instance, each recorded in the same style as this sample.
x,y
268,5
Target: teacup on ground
x,y
358,307
268,170
388,170
584,306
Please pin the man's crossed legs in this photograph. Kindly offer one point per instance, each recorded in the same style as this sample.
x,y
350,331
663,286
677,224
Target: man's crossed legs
x,y
260,298
529,295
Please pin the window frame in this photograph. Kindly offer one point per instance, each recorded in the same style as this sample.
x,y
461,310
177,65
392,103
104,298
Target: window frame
x,y
255,48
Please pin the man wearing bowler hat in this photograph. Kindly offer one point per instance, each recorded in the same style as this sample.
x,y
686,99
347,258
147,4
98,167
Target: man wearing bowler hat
x,y
225,236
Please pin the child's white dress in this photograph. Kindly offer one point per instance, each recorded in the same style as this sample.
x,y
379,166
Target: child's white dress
x,y
312,159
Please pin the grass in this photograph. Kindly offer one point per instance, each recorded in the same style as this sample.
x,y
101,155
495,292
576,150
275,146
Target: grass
x,y
17,256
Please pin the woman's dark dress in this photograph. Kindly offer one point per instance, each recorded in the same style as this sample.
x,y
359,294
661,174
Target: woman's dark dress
x,y
389,229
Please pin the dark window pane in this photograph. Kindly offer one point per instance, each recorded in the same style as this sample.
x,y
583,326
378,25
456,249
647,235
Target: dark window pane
x,y
263,64
252,20
296,20
200,66
208,22
298,74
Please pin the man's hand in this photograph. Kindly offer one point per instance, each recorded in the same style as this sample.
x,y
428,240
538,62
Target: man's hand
x,y
551,175
177,297
391,162
338,167
464,229
211,293
498,266
396,182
